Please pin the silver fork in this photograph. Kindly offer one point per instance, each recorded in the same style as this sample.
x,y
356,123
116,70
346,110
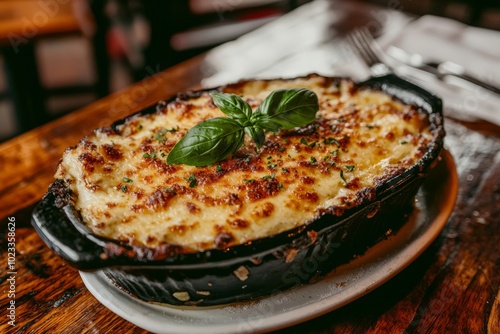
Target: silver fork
x,y
362,42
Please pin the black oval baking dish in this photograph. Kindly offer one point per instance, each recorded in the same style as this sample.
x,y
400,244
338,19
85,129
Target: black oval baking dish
x,y
255,269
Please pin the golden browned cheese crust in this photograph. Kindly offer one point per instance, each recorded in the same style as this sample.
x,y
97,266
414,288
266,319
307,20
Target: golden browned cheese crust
x,y
124,189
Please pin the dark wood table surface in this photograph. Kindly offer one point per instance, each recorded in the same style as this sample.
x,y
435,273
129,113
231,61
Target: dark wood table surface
x,y
453,287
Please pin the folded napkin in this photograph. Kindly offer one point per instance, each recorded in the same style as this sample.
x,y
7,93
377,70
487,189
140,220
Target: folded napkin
x,y
280,48
477,50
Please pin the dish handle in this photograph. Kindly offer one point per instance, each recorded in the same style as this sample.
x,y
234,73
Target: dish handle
x,y
58,227
407,92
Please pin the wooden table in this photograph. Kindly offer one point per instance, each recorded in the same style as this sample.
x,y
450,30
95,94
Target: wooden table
x,y
453,287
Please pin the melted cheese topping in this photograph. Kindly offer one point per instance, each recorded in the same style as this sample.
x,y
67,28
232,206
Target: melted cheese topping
x,y
124,189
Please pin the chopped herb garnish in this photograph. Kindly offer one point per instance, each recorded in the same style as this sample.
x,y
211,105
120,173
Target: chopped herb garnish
x,y
370,126
313,161
192,180
149,155
160,136
285,170
350,168
403,142
267,177
272,166
342,176
335,153
248,180
330,140
219,168
281,186
282,149
140,127
126,179
172,130
170,190
305,142
124,188
248,159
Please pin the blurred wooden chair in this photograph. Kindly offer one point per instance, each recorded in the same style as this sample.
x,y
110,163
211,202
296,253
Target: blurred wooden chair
x,y
23,24
181,29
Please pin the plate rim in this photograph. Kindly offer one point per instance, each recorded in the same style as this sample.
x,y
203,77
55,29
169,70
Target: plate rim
x,y
98,285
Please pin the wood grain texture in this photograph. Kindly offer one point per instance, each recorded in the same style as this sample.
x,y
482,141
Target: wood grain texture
x,y
453,287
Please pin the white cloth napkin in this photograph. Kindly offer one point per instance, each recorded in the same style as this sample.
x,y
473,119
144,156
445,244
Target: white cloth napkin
x,y
269,52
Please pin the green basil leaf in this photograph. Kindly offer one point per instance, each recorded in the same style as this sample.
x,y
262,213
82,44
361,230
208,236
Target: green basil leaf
x,y
233,106
286,109
257,134
208,142
217,138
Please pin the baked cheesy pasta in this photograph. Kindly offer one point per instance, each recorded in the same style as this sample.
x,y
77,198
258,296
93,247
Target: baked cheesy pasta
x,y
124,189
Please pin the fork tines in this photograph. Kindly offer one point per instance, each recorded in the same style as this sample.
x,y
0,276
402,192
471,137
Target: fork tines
x,y
363,43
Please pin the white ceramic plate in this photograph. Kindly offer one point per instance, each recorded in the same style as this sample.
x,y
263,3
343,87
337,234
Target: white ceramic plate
x,y
434,204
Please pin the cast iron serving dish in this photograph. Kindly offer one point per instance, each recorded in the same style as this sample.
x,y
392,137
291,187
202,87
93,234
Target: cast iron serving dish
x,y
253,269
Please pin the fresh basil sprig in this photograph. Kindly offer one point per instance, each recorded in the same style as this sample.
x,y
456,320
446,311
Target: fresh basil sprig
x,y
217,138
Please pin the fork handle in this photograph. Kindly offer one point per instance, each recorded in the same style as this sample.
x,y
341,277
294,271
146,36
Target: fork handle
x,y
477,82
449,68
